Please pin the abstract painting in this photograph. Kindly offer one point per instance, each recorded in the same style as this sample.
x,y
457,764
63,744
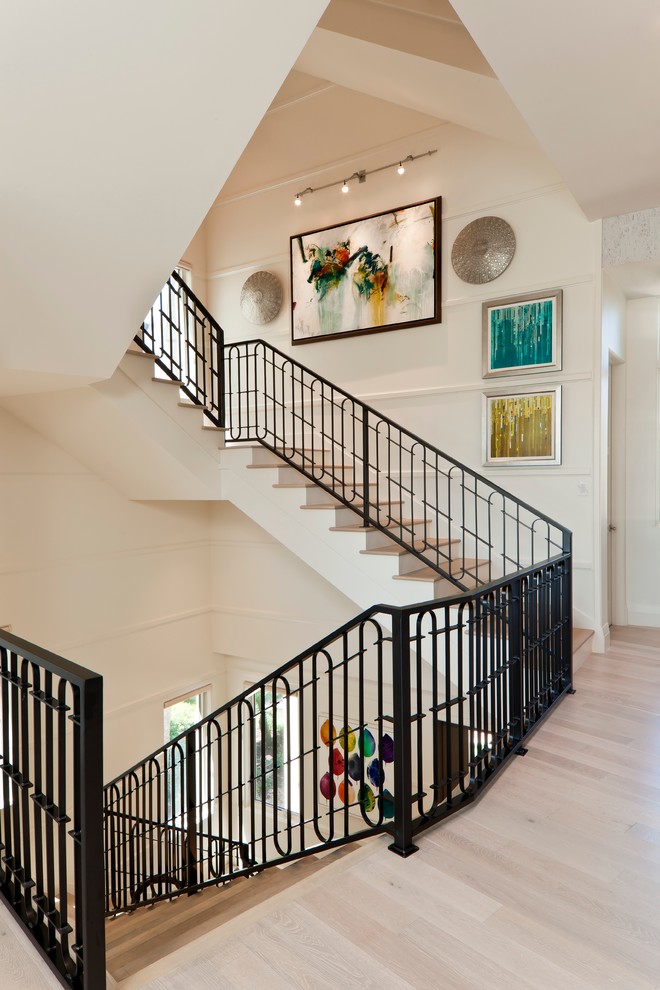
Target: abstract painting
x,y
523,427
359,765
522,334
380,272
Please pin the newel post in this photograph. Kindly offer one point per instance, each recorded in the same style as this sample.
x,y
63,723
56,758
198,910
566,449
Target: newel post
x,y
402,830
90,876
567,612
192,828
516,660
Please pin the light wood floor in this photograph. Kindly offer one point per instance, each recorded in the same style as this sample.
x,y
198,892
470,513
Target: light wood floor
x,y
551,881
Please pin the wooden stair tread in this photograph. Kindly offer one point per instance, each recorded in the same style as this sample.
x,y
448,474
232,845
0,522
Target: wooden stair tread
x,y
296,484
359,504
580,637
282,463
308,483
135,941
396,550
138,352
393,524
458,569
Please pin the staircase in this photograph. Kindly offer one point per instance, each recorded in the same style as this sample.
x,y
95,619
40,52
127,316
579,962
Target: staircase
x,y
387,725
305,759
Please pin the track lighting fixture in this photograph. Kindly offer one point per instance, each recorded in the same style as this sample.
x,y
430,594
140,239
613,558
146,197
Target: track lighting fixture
x,y
361,175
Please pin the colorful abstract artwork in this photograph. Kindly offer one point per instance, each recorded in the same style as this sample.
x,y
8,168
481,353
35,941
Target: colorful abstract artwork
x,y
522,334
377,273
359,768
523,427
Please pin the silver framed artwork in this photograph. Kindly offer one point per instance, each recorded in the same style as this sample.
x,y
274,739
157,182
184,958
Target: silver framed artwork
x,y
522,427
522,334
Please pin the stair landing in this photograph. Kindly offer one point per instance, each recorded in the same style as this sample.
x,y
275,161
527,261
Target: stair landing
x,y
141,945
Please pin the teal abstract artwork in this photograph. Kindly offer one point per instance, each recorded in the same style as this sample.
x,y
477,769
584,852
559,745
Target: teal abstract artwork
x,y
522,334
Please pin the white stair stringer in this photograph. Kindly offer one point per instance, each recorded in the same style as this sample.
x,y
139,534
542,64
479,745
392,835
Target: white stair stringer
x,y
335,555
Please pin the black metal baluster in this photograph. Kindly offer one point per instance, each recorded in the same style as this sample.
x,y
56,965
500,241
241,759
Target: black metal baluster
x,y
402,831
26,785
192,825
516,660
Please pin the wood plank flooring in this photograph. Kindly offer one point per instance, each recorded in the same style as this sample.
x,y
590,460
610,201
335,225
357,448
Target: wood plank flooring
x,y
550,882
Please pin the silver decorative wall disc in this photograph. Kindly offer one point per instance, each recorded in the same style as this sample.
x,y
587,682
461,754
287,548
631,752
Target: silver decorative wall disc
x,y
261,297
483,250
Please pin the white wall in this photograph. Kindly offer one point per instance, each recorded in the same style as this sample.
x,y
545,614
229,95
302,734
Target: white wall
x,y
642,463
611,455
268,606
430,378
158,597
121,134
118,586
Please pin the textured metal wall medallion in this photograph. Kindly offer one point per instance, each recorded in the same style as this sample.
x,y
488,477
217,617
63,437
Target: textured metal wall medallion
x,y
261,297
483,250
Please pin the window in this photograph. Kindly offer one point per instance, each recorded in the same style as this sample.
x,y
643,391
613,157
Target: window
x,y
175,331
179,715
276,756
182,713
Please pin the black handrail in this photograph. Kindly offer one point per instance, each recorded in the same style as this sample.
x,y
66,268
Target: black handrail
x,y
388,724
253,342
456,684
425,500
51,825
187,344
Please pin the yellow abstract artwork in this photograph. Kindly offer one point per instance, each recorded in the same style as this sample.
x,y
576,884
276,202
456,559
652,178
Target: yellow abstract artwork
x,y
522,426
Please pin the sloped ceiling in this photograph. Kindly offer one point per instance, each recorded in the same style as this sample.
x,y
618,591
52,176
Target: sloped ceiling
x,y
445,91
120,122
580,81
373,68
586,77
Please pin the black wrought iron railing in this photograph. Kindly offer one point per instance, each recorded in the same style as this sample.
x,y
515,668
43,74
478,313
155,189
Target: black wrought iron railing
x,y
455,521
187,345
51,808
401,716
151,859
389,724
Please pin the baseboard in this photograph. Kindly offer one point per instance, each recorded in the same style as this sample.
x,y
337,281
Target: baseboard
x,y
642,615
600,641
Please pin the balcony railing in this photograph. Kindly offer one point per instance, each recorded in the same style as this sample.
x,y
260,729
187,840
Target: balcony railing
x,y
387,725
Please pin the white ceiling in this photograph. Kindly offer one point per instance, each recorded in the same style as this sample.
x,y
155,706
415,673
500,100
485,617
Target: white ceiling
x,y
585,75
373,68
120,121
579,79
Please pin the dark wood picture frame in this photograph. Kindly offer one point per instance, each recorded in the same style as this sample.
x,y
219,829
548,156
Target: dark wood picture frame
x,y
376,273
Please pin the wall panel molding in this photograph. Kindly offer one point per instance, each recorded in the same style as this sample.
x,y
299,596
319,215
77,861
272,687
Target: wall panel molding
x,y
123,632
88,558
